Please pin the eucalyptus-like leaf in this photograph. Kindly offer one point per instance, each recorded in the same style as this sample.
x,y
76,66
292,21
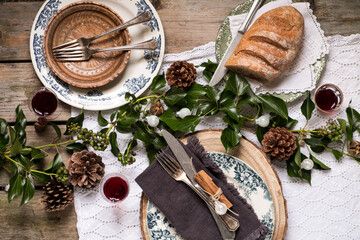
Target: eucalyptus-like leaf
x,y
55,164
101,120
20,117
41,177
292,168
20,132
173,96
24,161
16,148
196,91
12,134
29,190
318,164
114,145
343,126
337,154
274,104
16,186
74,121
4,139
230,138
237,84
3,126
113,115
57,129
316,144
297,158
37,154
308,106
354,119
158,83
260,132
76,147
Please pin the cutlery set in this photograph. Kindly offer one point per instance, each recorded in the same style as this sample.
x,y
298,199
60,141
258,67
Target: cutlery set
x,y
78,49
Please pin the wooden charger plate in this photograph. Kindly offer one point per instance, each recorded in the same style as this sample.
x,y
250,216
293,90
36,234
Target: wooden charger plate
x,y
252,155
87,19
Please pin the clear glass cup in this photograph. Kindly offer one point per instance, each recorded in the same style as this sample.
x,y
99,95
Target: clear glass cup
x,y
328,98
44,103
114,187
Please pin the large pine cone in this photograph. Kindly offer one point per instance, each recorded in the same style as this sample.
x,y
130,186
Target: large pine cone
x,y
279,143
181,74
57,196
86,169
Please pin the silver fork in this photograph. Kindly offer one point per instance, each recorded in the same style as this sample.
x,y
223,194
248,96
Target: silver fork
x,y
173,168
84,53
85,42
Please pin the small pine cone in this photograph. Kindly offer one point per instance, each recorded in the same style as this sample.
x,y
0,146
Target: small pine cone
x,y
57,196
354,148
181,74
41,124
157,109
279,143
86,169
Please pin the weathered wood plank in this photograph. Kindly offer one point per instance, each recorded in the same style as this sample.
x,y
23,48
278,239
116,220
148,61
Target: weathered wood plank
x,y
31,221
17,81
187,23
39,139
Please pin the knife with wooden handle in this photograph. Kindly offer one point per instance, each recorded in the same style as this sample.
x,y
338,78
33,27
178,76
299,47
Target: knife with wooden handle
x,y
221,69
227,224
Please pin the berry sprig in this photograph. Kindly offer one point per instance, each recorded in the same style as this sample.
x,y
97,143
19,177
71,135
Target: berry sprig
x,y
331,130
98,140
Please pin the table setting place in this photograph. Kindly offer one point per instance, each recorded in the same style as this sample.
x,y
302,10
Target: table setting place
x,y
254,135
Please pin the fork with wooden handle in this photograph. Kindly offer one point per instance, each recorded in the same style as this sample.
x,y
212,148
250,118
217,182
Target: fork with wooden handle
x,y
84,53
85,42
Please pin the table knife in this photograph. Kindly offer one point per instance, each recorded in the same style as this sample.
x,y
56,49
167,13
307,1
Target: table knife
x,y
227,225
221,69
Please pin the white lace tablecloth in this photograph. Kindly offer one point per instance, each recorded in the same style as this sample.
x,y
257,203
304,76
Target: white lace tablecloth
x,y
329,209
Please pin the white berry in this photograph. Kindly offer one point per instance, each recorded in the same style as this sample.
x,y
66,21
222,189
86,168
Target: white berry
x,y
263,121
307,164
153,120
183,113
220,208
7,188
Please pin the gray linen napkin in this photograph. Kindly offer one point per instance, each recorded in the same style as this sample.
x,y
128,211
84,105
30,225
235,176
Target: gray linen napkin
x,y
186,210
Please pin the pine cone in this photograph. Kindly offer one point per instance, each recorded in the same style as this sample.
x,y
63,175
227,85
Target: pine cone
x,y
279,143
354,148
57,196
181,74
86,169
157,109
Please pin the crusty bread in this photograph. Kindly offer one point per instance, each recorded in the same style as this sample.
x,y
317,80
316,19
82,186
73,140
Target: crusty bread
x,y
267,49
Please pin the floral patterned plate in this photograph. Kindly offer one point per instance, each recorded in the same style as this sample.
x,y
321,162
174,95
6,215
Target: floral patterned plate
x,y
223,40
142,67
245,179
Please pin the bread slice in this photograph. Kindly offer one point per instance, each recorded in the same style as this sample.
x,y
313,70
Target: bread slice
x,y
270,45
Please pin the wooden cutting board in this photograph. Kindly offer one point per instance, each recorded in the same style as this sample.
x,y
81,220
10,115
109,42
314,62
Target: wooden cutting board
x,y
251,154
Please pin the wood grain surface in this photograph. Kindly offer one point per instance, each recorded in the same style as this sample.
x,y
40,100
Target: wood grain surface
x,y
187,24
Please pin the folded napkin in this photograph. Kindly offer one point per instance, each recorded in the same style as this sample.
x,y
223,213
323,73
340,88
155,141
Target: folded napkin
x,y
185,209
299,76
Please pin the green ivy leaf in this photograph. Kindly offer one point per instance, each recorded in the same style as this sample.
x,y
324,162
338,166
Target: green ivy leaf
x,y
209,70
307,107
151,152
57,129
158,83
318,164
173,96
230,138
101,120
275,105
41,177
113,115
337,154
196,91
232,112
16,148
76,147
237,84
188,124
292,169
29,190
129,118
213,93
78,120
260,132
142,134
55,164
16,186
204,108
227,99
114,145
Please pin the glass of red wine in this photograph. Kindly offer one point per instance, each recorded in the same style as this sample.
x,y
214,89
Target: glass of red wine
x,y
43,103
328,98
114,187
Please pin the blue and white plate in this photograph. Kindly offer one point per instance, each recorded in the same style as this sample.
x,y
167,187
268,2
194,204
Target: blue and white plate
x,y
245,179
142,67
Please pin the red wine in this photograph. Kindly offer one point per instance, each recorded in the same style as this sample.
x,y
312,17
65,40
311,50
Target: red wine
x,y
328,98
115,189
44,103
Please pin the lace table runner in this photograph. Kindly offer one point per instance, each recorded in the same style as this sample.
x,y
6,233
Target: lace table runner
x,y
329,209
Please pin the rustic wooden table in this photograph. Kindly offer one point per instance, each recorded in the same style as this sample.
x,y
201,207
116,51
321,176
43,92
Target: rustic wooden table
x,y
187,24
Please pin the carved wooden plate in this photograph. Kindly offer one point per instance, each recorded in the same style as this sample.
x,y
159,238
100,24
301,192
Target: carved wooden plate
x,y
87,19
